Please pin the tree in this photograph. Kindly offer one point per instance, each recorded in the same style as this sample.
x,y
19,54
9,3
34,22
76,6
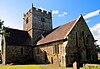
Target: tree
x,y
4,34
3,29
1,26
97,46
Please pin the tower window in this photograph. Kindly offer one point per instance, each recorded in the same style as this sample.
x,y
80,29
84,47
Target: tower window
x,y
22,51
42,20
27,20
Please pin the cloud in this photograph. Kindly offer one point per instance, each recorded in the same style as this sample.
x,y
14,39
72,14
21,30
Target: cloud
x,y
96,32
58,13
55,12
63,14
87,21
42,8
92,14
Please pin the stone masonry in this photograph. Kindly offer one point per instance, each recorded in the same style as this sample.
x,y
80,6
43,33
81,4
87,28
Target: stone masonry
x,y
36,22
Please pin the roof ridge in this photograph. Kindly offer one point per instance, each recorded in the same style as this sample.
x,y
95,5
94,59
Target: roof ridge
x,y
73,25
16,29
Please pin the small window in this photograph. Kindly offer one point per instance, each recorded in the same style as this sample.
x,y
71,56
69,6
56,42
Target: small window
x,y
56,49
27,20
51,60
87,39
83,37
42,20
21,51
82,33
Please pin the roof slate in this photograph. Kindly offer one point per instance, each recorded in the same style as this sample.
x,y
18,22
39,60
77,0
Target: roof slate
x,y
57,34
17,37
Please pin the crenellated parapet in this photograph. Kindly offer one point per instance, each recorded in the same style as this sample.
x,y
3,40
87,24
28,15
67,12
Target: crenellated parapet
x,y
38,11
27,13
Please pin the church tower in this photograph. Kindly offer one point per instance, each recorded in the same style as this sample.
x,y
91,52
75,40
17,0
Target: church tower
x,y
36,22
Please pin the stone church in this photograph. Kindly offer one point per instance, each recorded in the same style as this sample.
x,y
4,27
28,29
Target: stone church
x,y
38,42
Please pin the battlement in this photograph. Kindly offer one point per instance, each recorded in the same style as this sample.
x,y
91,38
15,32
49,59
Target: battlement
x,y
41,11
34,9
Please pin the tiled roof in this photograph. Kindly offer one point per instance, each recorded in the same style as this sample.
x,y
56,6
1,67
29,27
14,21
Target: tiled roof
x,y
57,34
17,37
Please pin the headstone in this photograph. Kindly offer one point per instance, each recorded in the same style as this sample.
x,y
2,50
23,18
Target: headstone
x,y
75,65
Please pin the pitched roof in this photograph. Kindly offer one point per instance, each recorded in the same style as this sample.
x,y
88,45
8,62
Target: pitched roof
x,y
57,34
17,37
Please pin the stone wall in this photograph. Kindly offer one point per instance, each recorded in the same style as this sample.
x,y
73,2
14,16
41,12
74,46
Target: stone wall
x,y
81,42
39,26
53,58
19,54
36,22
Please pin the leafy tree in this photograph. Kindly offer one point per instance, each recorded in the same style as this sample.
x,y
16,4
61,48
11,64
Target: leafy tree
x,y
97,46
3,29
1,26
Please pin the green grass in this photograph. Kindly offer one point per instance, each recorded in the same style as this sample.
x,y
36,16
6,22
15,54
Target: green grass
x,y
31,67
21,67
91,67
99,58
40,67
51,66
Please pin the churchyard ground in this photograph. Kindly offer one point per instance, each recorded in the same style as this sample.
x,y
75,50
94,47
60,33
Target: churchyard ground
x,y
34,66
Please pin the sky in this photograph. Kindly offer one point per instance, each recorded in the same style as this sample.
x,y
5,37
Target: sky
x,y
63,11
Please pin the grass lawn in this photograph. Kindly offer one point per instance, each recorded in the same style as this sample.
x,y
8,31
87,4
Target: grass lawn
x,y
91,68
39,67
31,67
20,67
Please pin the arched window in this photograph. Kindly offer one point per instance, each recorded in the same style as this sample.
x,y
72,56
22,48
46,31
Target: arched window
x,y
42,20
45,56
56,49
83,38
27,20
22,51
87,39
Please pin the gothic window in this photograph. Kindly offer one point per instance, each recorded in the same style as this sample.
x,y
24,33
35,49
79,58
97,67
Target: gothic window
x,y
45,56
56,49
51,60
42,20
83,38
22,51
87,39
27,20
53,49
